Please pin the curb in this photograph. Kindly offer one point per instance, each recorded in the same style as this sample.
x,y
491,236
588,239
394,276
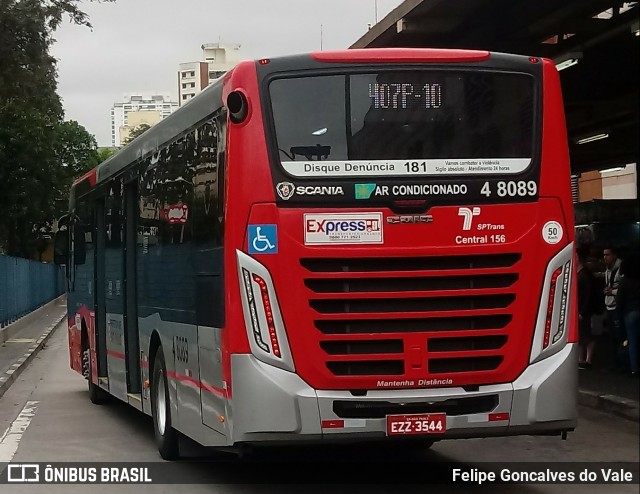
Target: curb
x,y
622,407
7,379
8,332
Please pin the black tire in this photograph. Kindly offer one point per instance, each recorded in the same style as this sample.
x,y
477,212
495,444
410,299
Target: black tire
x,y
167,438
97,395
411,447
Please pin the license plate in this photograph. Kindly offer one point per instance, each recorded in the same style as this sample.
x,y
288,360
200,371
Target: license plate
x,y
425,423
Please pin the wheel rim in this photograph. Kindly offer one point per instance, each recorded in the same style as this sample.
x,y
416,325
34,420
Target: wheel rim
x,y
161,404
86,363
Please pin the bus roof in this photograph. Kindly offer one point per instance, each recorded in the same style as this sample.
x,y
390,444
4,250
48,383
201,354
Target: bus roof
x,y
193,112
210,99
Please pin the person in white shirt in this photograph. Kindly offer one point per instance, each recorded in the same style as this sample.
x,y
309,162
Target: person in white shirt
x,y
612,276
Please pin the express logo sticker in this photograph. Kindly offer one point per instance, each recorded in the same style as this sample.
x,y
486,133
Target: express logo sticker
x,y
346,228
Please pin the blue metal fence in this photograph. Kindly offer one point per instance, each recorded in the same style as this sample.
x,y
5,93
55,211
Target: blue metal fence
x,y
26,285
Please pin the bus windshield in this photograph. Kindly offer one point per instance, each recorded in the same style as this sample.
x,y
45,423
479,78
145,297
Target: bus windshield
x,y
428,116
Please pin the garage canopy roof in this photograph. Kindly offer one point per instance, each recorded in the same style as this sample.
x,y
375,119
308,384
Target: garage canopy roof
x,y
600,91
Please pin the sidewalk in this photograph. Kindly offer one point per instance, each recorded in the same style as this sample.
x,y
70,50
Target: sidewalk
x,y
616,394
613,393
23,339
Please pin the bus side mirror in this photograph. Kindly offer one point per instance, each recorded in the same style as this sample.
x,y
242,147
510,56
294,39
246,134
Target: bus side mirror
x,y
79,246
61,247
238,107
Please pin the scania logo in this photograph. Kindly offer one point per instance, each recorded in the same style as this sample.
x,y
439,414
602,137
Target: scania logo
x,y
332,190
286,190
409,218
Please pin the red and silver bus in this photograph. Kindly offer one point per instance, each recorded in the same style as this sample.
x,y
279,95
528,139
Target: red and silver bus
x,y
359,245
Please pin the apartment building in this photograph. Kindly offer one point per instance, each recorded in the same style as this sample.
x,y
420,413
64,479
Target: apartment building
x,y
136,109
193,77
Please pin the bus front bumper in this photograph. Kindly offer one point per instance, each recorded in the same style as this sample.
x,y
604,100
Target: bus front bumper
x,y
273,405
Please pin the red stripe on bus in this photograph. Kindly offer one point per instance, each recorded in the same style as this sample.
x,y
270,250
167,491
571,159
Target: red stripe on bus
x,y
91,175
119,355
199,384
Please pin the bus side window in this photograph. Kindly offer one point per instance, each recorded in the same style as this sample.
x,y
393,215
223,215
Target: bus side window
x,y
61,246
221,122
208,216
79,244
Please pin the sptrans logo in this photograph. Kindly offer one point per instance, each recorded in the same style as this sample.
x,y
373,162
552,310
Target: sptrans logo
x,y
467,215
343,228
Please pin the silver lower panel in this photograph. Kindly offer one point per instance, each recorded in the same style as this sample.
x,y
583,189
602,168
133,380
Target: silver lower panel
x,y
273,405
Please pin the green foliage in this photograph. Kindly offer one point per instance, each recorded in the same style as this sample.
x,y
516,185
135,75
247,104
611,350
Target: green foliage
x,y
77,153
39,152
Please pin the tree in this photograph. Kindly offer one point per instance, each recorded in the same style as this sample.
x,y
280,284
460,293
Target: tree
x,y
76,153
31,119
77,150
136,132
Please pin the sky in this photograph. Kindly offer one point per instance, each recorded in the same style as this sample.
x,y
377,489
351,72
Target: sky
x,y
135,46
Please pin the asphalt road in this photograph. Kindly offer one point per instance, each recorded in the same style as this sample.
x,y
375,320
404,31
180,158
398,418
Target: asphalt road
x,y
50,419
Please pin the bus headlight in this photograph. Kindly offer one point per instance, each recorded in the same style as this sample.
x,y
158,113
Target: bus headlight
x,y
263,319
553,314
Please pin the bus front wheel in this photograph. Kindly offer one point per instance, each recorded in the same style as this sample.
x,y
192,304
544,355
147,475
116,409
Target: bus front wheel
x,y
97,395
166,435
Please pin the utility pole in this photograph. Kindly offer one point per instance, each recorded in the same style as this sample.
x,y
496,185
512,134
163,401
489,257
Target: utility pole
x,y
320,37
375,5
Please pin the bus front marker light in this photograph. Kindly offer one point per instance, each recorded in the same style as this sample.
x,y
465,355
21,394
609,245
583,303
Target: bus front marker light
x,y
268,312
563,302
255,323
552,296
262,317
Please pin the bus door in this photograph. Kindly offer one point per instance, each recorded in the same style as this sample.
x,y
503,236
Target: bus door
x,y
100,292
208,214
209,297
132,336
112,316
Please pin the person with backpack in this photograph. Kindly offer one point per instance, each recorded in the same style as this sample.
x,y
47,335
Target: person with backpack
x,y
586,284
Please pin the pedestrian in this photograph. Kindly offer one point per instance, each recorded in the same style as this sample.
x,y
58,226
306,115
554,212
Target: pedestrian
x,y
628,305
612,276
586,282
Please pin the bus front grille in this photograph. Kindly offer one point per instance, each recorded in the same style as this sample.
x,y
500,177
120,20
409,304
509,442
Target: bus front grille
x,y
412,325
433,315
414,304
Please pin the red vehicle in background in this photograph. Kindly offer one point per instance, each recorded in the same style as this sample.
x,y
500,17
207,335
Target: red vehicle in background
x,y
338,246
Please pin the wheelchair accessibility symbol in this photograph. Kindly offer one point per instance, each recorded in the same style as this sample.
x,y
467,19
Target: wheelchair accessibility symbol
x,y
263,239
